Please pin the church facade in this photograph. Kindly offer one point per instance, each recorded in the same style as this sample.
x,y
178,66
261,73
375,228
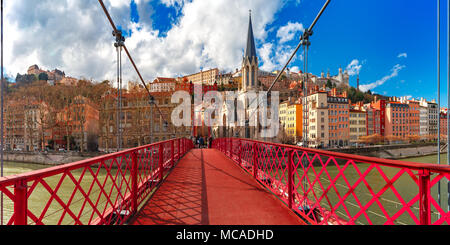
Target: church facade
x,y
243,120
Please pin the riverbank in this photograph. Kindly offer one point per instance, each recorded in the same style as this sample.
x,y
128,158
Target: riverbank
x,y
393,151
385,151
51,159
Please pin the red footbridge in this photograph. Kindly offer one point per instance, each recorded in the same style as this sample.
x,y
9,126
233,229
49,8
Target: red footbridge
x,y
235,182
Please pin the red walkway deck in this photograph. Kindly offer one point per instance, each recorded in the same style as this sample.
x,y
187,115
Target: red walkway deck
x,y
207,188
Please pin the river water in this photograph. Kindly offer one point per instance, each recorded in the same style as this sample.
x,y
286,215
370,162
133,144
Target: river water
x,y
393,196
388,203
67,193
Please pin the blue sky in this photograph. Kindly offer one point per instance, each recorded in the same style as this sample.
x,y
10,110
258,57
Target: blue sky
x,y
392,43
379,34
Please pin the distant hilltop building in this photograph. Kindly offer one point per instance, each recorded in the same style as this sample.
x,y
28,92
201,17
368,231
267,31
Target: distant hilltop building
x,y
342,78
55,75
204,77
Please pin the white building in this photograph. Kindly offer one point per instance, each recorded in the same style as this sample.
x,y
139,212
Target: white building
x,y
423,121
428,119
342,78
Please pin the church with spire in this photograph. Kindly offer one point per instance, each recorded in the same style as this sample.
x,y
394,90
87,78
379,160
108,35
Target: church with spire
x,y
249,83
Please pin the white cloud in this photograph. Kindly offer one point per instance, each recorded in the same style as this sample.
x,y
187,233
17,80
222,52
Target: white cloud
x,y
295,69
275,57
354,67
76,37
402,55
394,73
287,33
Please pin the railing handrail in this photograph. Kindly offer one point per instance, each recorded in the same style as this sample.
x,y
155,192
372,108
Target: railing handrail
x,y
365,159
304,191
127,187
7,180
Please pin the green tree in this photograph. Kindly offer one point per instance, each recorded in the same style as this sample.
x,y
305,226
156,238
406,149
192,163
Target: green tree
x,y
43,76
23,80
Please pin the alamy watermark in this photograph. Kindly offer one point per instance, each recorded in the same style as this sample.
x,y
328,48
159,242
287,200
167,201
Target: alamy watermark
x,y
228,109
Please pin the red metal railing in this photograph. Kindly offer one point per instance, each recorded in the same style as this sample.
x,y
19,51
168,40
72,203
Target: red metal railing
x,y
333,188
103,190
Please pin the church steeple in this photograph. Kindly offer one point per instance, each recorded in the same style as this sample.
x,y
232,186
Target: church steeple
x,y
250,61
250,52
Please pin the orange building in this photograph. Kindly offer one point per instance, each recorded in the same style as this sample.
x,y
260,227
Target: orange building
x,y
338,119
397,120
141,123
376,118
25,125
14,125
414,117
443,126
79,121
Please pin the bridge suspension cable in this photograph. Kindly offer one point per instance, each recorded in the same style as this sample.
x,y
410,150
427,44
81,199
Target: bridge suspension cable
x,y
439,92
448,100
115,30
2,140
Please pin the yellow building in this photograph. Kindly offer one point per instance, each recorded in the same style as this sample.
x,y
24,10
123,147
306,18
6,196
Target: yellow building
x,y
357,124
204,77
290,116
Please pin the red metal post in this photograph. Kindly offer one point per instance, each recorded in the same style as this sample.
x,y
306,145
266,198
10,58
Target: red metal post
x,y
172,150
225,146
183,146
424,196
161,156
240,152
20,203
231,148
134,180
290,179
179,149
255,161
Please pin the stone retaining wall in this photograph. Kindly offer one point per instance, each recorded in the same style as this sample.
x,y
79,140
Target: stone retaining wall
x,y
47,158
394,151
